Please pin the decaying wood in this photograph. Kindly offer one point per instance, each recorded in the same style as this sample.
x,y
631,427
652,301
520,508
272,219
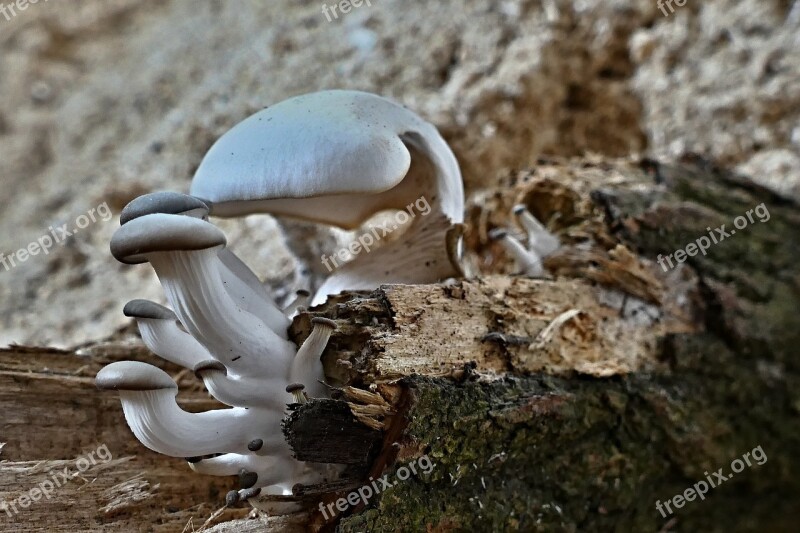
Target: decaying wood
x,y
336,437
571,403
575,403
53,417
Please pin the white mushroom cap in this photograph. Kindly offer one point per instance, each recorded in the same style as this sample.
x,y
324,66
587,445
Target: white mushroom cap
x,y
427,253
168,202
332,156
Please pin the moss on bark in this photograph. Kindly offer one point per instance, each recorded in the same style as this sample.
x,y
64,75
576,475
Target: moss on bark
x,y
572,453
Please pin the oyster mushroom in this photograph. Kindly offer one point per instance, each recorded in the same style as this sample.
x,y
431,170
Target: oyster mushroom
x,y
148,401
541,243
306,366
241,283
338,158
301,298
540,240
184,253
160,332
240,391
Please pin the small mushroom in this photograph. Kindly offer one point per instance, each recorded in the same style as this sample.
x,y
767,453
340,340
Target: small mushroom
x,y
301,298
297,392
148,401
240,391
160,332
540,240
306,366
541,243
529,262
338,158
241,283
183,252
166,202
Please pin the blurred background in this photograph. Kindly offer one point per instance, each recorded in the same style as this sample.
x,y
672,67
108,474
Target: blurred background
x,y
104,100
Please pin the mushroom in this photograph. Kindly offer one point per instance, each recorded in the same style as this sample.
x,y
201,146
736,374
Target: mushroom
x,y
160,332
184,253
334,157
338,158
297,305
297,391
240,282
148,401
240,391
540,240
253,471
541,243
166,202
306,366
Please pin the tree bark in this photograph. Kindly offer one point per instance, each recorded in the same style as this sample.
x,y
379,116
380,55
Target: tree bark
x,y
573,403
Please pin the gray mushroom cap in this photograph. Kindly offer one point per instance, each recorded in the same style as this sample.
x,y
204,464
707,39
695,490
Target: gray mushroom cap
x,y
168,202
133,376
146,309
209,365
163,233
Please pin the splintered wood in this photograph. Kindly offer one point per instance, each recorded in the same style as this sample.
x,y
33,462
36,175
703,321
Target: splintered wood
x,y
504,324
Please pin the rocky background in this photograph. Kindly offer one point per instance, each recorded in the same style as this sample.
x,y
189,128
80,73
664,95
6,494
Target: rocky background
x,y
105,100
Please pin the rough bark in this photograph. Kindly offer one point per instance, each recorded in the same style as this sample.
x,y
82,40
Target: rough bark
x,y
567,404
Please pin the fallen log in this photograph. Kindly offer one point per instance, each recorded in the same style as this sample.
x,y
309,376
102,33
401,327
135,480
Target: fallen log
x,y
599,398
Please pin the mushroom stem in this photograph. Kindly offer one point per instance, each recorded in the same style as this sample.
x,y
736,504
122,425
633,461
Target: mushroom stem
x,y
306,366
161,425
529,261
301,299
241,283
540,240
249,293
240,391
191,282
165,339
158,326
298,393
148,401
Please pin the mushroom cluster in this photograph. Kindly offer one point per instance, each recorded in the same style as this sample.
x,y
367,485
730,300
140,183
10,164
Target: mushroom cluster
x,y
334,157
540,243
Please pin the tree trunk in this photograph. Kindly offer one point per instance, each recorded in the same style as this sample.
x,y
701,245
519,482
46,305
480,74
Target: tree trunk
x,y
574,403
